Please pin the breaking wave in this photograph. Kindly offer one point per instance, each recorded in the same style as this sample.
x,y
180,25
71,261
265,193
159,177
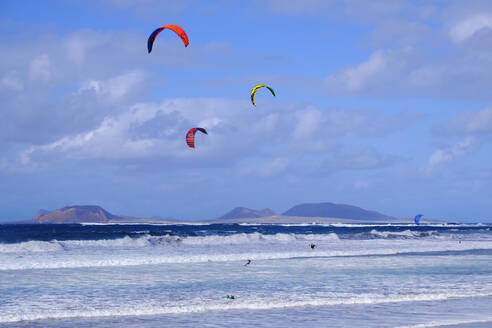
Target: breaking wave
x,y
406,234
149,241
257,237
89,259
239,304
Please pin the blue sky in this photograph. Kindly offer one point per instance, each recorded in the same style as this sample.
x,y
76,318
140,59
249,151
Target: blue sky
x,y
381,104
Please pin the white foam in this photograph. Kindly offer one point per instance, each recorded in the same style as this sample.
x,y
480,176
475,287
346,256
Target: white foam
x,y
125,223
449,323
238,304
404,234
243,238
113,259
146,240
361,225
31,246
307,224
151,241
55,245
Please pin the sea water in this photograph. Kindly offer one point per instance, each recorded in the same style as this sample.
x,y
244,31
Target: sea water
x,y
178,275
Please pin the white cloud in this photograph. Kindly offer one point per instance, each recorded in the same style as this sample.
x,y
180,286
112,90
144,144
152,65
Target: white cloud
x,y
362,123
470,123
358,78
468,27
274,167
100,121
384,71
480,122
410,71
427,76
109,140
155,131
116,87
449,154
211,122
84,54
309,121
40,68
152,131
12,82
80,46
308,135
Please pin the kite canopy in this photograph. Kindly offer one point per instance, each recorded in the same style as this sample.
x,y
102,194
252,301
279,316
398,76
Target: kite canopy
x,y
178,30
258,87
417,218
190,136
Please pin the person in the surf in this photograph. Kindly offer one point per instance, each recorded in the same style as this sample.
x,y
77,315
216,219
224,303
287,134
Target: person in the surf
x,y
230,297
247,263
312,246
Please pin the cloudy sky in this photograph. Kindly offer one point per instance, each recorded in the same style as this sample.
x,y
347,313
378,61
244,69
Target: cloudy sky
x,y
385,105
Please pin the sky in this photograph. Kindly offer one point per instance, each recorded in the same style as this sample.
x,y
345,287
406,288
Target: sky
x,y
386,105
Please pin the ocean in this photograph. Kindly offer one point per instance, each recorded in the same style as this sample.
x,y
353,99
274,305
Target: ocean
x,y
179,275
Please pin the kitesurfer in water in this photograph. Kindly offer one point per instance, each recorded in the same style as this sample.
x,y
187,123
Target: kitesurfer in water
x,y
249,261
312,246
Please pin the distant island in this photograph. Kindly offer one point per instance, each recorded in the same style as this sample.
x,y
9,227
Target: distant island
x,y
331,210
302,213
308,213
86,214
